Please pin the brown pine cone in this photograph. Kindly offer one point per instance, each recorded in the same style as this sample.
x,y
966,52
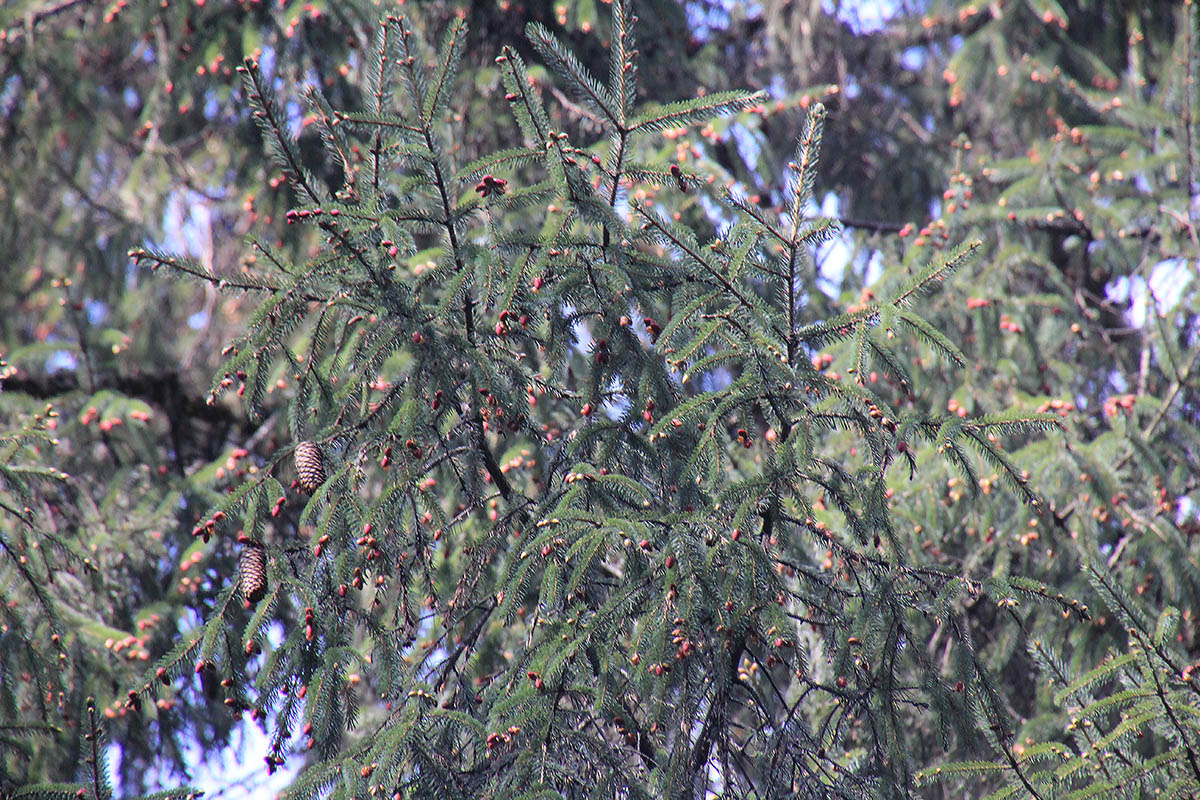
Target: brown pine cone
x,y
310,466
252,572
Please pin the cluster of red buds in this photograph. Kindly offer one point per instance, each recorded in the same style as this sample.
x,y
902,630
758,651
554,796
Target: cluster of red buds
x,y
505,315
302,213
496,739
491,185
653,328
370,544
1060,407
1119,403
205,529
822,361
679,638
1007,324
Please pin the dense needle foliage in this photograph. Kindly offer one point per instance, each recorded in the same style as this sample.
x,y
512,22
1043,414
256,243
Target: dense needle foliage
x,y
551,464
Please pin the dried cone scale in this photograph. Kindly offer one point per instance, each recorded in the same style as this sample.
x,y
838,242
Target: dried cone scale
x,y
310,466
252,572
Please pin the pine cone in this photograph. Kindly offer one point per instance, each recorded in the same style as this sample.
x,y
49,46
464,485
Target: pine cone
x,y
310,466
252,572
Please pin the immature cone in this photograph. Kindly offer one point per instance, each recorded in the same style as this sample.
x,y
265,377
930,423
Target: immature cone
x,y
310,466
252,572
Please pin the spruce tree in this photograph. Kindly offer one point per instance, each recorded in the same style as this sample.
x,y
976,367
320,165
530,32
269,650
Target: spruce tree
x,y
561,466
571,525
121,125
1086,306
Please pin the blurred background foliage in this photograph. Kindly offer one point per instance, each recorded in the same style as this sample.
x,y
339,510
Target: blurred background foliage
x,y
1062,134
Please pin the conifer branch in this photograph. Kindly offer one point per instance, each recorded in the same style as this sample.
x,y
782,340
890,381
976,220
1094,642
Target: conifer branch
x,y
564,62
489,461
753,210
622,64
28,520
530,110
380,90
1179,729
481,444
685,248
273,125
1118,599
936,271
35,585
618,165
467,643
380,121
802,171
695,111
792,339
1062,678
704,742
448,60
93,738
189,267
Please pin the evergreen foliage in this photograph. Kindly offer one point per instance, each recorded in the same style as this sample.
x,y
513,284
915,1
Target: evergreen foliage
x,y
549,461
1088,217
567,545
114,120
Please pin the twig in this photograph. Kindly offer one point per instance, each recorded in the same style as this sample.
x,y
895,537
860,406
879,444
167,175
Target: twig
x,y
1192,63
93,739
16,33
878,226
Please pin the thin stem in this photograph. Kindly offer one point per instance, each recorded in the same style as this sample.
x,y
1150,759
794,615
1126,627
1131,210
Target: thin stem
x,y
93,738
791,292
1192,63
618,164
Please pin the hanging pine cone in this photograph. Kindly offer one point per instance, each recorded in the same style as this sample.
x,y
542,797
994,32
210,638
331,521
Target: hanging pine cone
x,y
252,572
310,466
